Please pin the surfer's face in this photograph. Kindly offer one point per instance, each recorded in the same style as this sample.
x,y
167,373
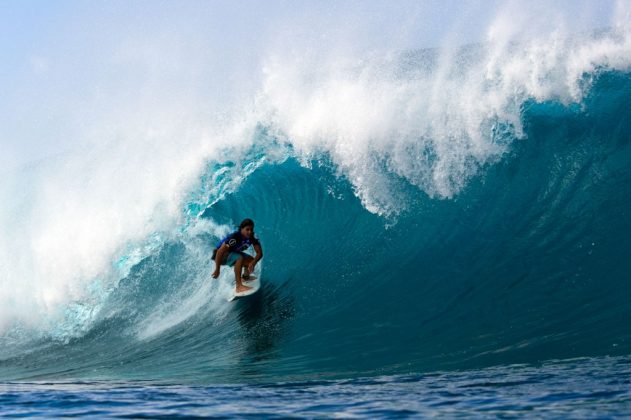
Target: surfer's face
x,y
247,231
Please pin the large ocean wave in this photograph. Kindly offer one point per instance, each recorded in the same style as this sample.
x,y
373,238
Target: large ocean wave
x,y
418,210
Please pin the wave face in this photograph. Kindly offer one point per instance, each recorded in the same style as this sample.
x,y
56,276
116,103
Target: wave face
x,y
529,262
431,211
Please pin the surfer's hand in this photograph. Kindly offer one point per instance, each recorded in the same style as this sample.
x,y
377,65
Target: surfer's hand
x,y
215,274
251,267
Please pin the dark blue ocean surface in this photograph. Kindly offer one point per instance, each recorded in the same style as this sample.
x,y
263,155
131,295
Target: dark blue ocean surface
x,y
578,388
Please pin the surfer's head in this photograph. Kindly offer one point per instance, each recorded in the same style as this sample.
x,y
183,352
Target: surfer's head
x,y
247,228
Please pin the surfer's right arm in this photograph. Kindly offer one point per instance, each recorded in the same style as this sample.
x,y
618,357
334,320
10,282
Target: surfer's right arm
x,y
218,258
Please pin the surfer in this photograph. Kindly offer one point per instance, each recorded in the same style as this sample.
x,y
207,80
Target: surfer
x,y
230,252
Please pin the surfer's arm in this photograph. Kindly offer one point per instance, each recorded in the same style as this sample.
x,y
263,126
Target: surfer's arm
x,y
259,253
218,258
257,257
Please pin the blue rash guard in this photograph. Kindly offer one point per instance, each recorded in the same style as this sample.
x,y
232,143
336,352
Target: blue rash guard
x,y
236,245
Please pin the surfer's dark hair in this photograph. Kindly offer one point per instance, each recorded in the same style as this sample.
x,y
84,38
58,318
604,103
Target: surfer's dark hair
x,y
246,222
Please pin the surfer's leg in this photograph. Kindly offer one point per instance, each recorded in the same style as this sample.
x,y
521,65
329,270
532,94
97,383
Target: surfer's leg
x,y
238,265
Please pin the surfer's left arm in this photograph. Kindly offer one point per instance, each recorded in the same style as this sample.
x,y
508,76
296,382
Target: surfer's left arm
x,y
257,257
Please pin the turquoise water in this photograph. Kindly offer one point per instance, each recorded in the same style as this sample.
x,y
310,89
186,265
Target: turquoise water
x,y
530,262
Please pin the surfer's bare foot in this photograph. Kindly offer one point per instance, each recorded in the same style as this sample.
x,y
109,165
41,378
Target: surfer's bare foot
x,y
242,288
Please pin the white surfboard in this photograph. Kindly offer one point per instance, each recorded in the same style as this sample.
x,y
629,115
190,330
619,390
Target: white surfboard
x,y
253,282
